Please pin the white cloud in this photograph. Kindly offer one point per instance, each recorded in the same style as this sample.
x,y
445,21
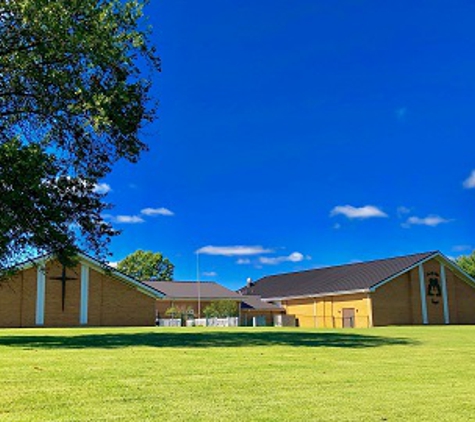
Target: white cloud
x,y
462,248
113,264
128,219
233,250
293,257
102,188
430,220
243,261
469,182
210,274
368,211
152,212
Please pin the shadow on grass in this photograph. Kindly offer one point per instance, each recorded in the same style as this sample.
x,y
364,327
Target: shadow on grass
x,y
203,340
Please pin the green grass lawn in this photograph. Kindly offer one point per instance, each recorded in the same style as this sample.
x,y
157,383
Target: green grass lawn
x,y
193,374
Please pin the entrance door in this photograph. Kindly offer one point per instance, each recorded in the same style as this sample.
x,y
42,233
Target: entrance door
x,y
348,317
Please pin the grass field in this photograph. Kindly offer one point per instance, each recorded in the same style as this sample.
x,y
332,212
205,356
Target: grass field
x,y
193,374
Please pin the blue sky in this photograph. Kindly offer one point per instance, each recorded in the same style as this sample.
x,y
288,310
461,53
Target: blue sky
x,y
299,134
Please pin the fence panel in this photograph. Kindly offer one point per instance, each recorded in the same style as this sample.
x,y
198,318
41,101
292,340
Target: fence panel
x,y
169,322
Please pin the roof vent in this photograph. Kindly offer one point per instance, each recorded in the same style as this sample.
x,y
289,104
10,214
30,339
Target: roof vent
x,y
249,282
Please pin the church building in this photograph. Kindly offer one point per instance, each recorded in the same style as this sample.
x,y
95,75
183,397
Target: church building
x,y
425,288
45,294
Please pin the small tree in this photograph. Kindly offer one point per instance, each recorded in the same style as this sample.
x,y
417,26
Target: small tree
x,y
210,311
147,265
182,312
173,312
221,309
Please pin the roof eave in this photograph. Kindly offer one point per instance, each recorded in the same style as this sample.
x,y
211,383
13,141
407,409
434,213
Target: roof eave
x,y
202,298
336,293
100,267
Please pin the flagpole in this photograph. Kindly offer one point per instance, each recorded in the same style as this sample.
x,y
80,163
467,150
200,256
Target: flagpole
x,y
198,280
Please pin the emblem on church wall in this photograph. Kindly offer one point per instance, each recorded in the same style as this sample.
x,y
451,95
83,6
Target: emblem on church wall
x,y
434,291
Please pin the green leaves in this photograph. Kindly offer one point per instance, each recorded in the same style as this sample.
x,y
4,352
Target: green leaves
x,y
222,309
147,265
41,212
72,102
467,263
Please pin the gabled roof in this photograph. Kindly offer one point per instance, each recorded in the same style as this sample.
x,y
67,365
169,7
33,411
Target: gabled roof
x,y
100,267
188,290
342,279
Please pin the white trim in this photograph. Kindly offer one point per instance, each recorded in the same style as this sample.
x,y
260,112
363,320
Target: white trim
x,y
454,267
84,294
40,294
443,278
100,267
405,270
422,286
449,263
337,293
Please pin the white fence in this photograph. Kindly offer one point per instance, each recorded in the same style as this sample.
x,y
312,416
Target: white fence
x,y
217,322
222,322
200,322
169,322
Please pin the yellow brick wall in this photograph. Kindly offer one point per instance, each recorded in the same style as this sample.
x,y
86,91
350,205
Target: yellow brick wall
x,y
327,312
10,301
28,300
461,298
303,309
18,300
392,302
94,314
399,301
120,304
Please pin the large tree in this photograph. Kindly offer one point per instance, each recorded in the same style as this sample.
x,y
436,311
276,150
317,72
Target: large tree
x,y
73,99
147,265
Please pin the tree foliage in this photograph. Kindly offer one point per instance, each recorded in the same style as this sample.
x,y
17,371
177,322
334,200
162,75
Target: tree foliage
x,y
182,312
147,265
467,263
73,100
221,309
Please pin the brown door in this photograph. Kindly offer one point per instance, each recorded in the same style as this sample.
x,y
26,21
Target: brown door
x,y
348,317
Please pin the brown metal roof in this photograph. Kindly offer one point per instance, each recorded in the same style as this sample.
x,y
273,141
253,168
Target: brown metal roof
x,y
342,278
189,290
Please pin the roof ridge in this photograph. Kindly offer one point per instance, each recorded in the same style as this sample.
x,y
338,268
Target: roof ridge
x,y
429,253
